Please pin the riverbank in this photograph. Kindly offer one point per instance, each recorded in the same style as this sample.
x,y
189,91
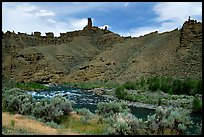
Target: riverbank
x,y
150,100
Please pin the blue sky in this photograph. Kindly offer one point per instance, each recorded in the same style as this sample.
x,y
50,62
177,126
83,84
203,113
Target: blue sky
x,y
125,18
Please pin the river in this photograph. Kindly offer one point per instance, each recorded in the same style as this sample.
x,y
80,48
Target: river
x,y
89,100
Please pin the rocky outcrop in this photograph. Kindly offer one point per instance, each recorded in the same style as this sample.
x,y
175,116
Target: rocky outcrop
x,y
109,39
36,38
98,54
191,32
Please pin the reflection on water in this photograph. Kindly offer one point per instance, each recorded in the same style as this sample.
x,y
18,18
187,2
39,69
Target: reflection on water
x,y
85,99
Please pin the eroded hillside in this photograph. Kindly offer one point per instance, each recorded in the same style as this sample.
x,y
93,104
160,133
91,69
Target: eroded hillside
x,y
99,54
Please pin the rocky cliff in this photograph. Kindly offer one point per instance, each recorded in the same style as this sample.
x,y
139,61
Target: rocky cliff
x,y
99,54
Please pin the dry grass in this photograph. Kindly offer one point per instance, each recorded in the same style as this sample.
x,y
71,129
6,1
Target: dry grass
x,y
39,128
93,127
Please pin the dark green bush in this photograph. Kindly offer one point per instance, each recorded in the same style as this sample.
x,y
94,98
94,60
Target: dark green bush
x,y
177,87
187,86
130,97
197,87
142,82
197,105
129,85
154,83
165,84
120,92
159,102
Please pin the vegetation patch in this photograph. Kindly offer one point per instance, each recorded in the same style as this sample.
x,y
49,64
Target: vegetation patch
x,y
197,105
91,85
13,131
31,86
94,127
166,84
107,109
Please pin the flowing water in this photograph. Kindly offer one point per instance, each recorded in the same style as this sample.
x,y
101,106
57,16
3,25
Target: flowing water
x,y
89,100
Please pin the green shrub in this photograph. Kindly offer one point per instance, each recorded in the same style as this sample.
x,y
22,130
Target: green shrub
x,y
187,86
125,124
197,87
107,109
52,109
171,121
129,85
130,97
45,110
177,87
84,111
7,82
87,115
159,103
17,101
154,83
175,119
13,123
142,82
120,92
197,105
165,84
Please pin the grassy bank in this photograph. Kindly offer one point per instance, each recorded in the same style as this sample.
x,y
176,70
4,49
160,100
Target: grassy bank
x,y
91,85
31,86
10,83
163,91
169,85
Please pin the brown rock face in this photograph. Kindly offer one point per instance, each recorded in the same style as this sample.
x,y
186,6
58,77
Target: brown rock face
x,y
94,54
191,32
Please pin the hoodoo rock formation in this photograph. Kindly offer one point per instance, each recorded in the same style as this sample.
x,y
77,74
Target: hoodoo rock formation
x,y
89,23
98,54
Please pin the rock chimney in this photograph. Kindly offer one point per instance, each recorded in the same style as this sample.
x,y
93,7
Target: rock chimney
x,y
49,35
37,34
89,23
